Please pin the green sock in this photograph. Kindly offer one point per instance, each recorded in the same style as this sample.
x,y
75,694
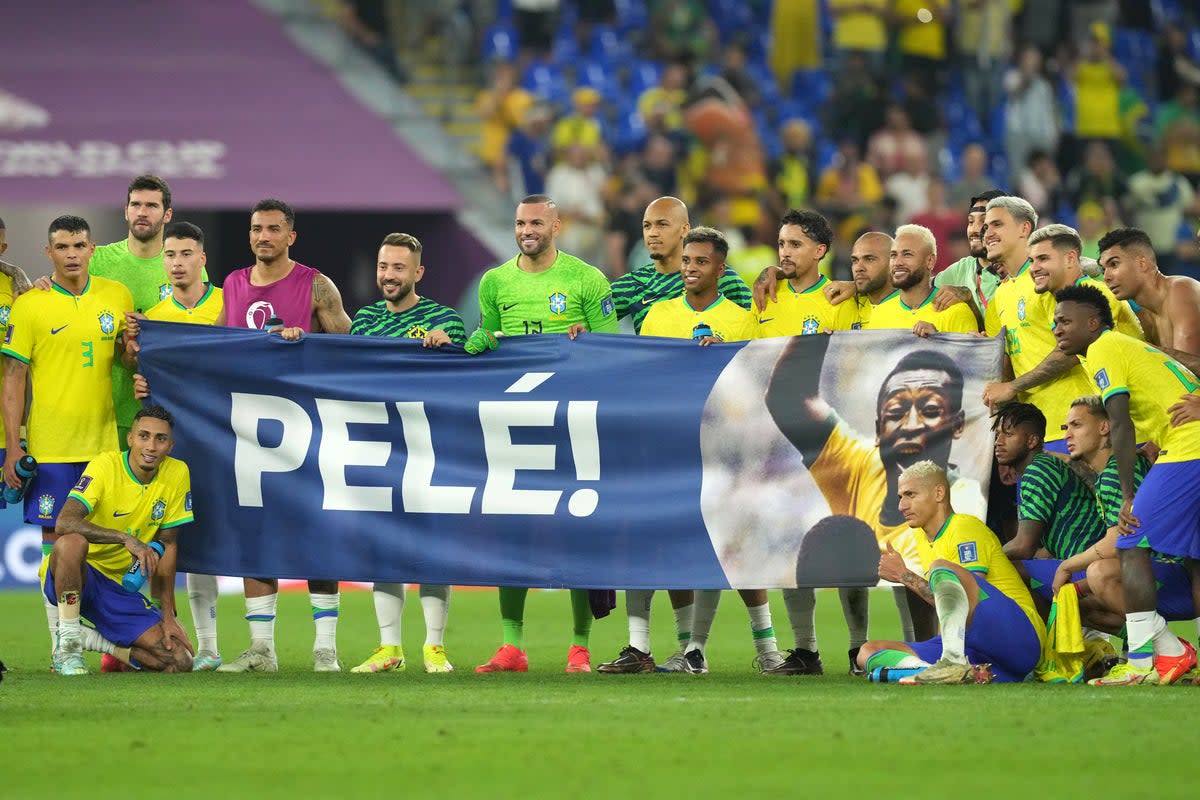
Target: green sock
x,y
581,617
512,614
893,658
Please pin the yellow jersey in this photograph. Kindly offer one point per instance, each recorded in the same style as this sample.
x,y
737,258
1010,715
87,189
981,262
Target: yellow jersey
x,y
1028,320
892,312
965,540
6,303
116,499
851,476
1113,361
69,344
676,319
805,312
205,312
864,308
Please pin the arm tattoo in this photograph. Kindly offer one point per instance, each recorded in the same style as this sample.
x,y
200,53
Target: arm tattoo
x,y
72,520
918,585
327,305
20,280
1054,364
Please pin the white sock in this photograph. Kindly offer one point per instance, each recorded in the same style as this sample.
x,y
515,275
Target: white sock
x,y
801,604
1165,642
702,618
202,598
260,613
325,617
51,620
906,622
637,606
435,603
950,600
1139,630
389,608
683,623
761,629
856,609
911,662
70,629
93,641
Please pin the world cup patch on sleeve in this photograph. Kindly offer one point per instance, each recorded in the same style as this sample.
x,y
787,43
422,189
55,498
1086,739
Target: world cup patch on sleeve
x,y
187,502
967,553
1102,379
606,306
8,335
84,482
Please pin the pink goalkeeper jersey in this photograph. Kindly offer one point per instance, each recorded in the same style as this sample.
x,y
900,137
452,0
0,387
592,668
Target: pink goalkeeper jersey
x,y
289,298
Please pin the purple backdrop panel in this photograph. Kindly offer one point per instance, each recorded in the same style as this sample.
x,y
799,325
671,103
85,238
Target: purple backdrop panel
x,y
213,96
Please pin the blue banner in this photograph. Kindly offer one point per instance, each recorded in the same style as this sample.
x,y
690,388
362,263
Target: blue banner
x,y
606,462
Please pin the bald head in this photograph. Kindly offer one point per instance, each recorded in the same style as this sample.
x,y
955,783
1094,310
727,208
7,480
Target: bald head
x,y
664,225
869,264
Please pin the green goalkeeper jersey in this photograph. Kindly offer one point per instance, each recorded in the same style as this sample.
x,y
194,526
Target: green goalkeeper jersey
x,y
571,291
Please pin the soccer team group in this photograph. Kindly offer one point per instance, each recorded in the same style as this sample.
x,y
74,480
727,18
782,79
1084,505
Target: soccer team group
x,y
1097,422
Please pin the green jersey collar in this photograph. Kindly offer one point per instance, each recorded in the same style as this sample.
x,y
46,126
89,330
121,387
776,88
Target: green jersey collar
x,y
207,293
68,292
712,305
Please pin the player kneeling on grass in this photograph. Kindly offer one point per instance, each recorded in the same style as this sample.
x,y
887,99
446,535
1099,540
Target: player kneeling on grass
x,y
990,628
149,493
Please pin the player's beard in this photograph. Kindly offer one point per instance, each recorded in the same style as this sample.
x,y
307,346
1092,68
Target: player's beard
x,y
543,244
914,277
978,253
403,290
147,235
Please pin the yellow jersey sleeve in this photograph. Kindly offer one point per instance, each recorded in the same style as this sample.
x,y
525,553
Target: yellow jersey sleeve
x,y
843,462
91,486
958,318
991,315
18,336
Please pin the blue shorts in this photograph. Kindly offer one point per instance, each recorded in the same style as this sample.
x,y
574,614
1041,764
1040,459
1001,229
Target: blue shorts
x,y
1057,446
1040,573
1168,506
120,616
999,634
49,491
3,455
1174,584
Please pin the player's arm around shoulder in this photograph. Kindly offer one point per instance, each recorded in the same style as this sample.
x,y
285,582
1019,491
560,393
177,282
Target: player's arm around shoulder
x,y
327,306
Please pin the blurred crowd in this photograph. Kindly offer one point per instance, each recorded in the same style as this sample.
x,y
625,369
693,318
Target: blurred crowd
x,y
874,112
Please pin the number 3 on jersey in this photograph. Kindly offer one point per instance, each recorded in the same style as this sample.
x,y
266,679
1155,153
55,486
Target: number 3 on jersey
x,y
533,326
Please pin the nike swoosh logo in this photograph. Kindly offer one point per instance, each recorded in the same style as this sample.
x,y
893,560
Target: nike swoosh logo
x,y
122,513
765,321
56,330
508,307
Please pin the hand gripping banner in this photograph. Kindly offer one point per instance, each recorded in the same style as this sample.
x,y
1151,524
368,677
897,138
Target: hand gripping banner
x,y
607,462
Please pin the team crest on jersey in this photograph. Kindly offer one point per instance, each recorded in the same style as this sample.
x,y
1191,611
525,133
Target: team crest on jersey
x,y
606,306
46,506
1102,379
558,303
108,323
1021,309
187,502
811,325
967,553
4,312
164,291
417,332
158,510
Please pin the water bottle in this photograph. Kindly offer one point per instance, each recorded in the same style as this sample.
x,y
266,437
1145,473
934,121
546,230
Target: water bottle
x,y
893,674
272,323
26,468
133,578
700,331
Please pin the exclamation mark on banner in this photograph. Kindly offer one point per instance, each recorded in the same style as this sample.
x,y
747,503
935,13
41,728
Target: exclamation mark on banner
x,y
585,447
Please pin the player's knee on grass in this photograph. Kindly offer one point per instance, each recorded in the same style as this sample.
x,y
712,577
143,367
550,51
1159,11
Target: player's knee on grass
x,y
874,646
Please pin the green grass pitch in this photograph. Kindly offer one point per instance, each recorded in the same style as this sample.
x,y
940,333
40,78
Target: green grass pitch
x,y
729,734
